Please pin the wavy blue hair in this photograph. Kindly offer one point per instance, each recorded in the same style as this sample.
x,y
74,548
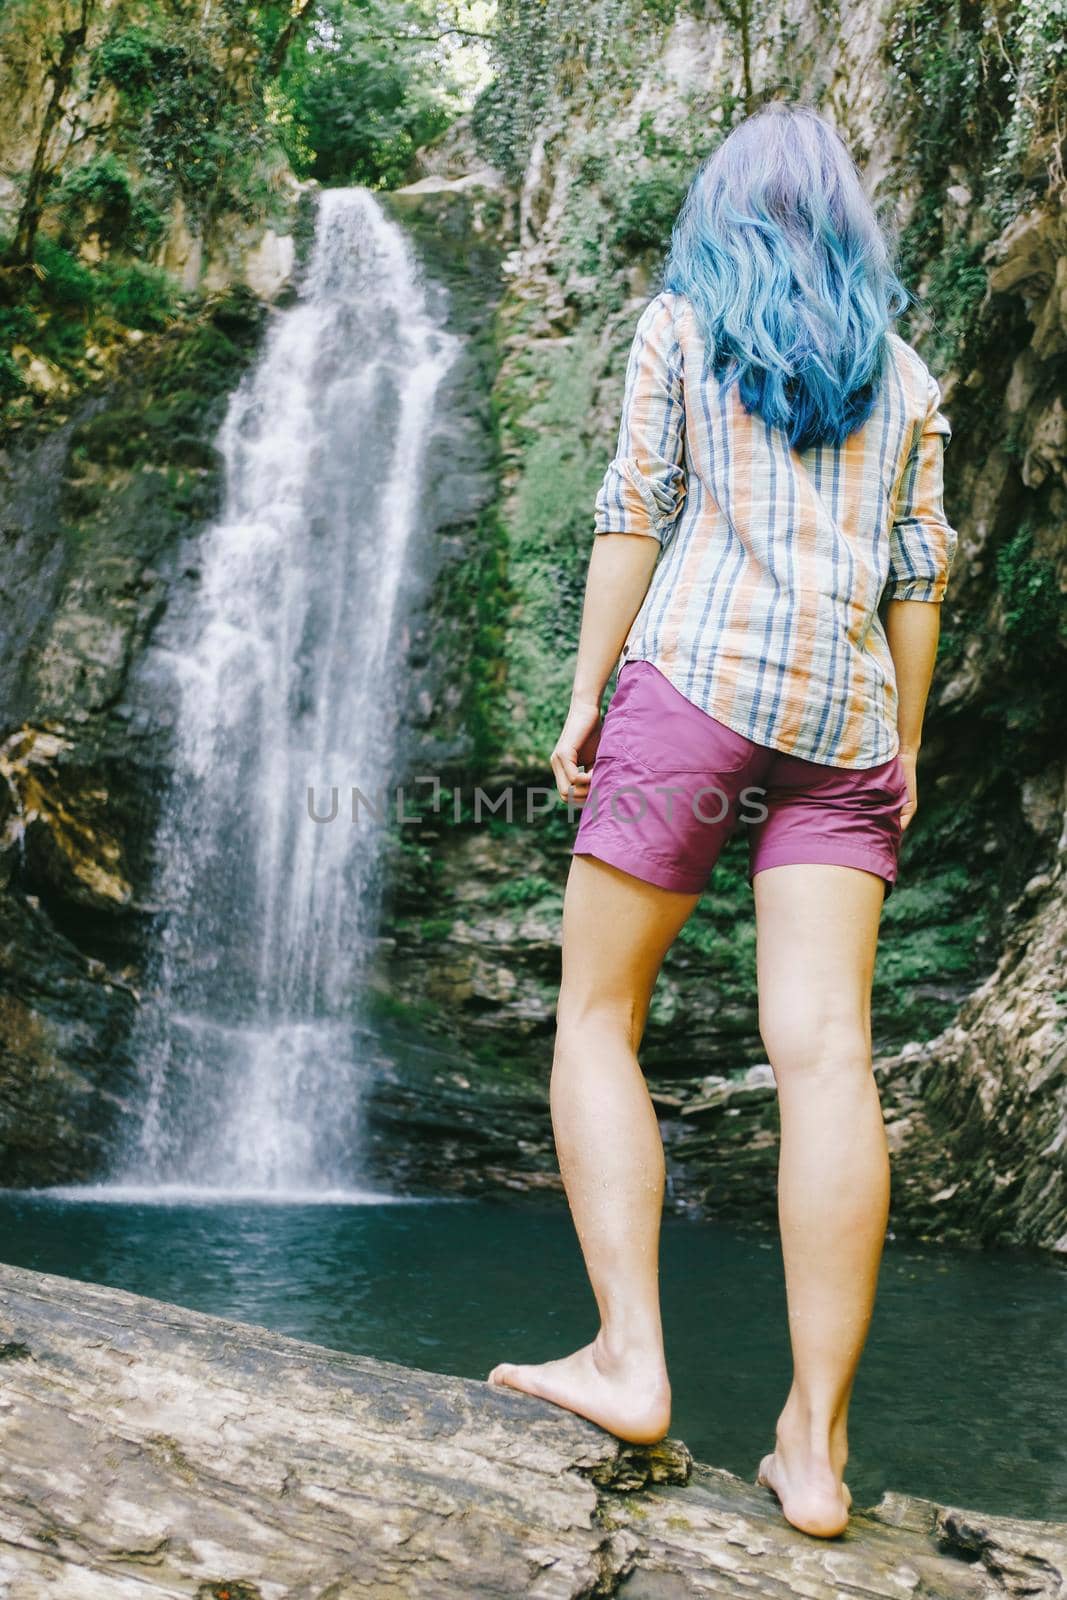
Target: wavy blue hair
x,y
778,249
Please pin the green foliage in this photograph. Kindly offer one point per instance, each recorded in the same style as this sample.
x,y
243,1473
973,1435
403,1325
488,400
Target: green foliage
x,y
192,370
955,290
934,943
71,304
552,48
133,294
128,60
201,118
431,929
722,930
66,283
702,119
1035,615
138,296
647,215
925,903
525,891
355,105
1037,83
283,115
977,84
950,646
974,85
549,401
487,592
17,324
921,238
192,130
101,197
963,78
581,63
947,73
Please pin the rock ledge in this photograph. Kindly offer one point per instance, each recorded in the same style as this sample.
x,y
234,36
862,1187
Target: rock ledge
x,y
152,1451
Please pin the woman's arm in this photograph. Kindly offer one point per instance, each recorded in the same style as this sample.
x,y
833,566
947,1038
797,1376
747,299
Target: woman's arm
x,y
620,568
922,548
635,511
912,628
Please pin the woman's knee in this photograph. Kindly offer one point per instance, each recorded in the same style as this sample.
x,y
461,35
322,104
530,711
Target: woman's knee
x,y
828,1046
580,1013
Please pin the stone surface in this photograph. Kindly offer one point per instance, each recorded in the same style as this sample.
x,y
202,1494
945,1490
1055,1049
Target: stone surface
x,y
99,514
153,1451
269,264
978,1117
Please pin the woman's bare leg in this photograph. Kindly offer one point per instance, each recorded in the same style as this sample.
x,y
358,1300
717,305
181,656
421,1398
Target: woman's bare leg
x,y
616,931
817,929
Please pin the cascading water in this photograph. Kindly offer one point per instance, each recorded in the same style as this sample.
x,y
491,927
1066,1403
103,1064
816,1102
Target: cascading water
x,y
286,681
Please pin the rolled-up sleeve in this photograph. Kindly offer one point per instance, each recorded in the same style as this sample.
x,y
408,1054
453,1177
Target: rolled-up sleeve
x,y
644,486
922,542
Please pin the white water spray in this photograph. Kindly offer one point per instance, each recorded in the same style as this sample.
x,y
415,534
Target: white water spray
x,y
289,680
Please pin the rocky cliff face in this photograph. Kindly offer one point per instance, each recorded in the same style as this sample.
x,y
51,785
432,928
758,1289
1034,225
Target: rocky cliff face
x,y
96,513
126,316
939,106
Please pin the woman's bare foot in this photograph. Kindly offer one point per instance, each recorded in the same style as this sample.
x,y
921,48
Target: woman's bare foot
x,y
816,1505
628,1394
807,1480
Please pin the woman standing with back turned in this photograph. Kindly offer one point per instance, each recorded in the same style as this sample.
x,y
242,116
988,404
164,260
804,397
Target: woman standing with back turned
x,y
781,453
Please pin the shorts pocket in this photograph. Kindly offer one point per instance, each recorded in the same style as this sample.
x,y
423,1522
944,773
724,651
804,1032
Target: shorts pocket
x,y
883,794
675,742
663,734
892,782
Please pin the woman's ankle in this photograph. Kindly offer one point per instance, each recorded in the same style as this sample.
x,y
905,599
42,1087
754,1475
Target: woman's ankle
x,y
818,1437
621,1352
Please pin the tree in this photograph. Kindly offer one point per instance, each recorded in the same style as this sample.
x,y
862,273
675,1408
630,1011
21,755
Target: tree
x,y
370,87
62,68
738,13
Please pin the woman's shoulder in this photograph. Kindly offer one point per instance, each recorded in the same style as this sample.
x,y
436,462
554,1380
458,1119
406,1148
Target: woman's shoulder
x,y
656,324
903,351
919,380
666,306
676,304
672,312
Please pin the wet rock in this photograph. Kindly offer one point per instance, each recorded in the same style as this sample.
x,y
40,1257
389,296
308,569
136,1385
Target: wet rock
x,y
149,1449
59,825
1028,258
95,515
979,1115
64,1069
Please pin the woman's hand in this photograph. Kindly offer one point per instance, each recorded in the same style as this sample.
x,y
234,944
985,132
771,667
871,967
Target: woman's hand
x,y
576,746
912,628
620,567
907,760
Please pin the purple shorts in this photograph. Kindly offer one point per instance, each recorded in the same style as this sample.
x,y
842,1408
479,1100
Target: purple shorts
x,y
670,783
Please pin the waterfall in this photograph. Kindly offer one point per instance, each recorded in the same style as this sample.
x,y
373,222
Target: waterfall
x,y
286,680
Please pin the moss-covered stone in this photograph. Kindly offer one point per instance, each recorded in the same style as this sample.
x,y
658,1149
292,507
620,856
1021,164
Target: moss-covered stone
x,y
96,510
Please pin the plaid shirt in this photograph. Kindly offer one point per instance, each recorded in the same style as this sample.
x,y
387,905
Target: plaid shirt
x,y
763,606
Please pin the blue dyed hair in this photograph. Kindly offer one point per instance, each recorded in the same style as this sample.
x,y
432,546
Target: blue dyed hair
x,y
778,249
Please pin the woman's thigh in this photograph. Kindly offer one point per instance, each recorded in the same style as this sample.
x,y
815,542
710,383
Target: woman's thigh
x,y
616,931
816,938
